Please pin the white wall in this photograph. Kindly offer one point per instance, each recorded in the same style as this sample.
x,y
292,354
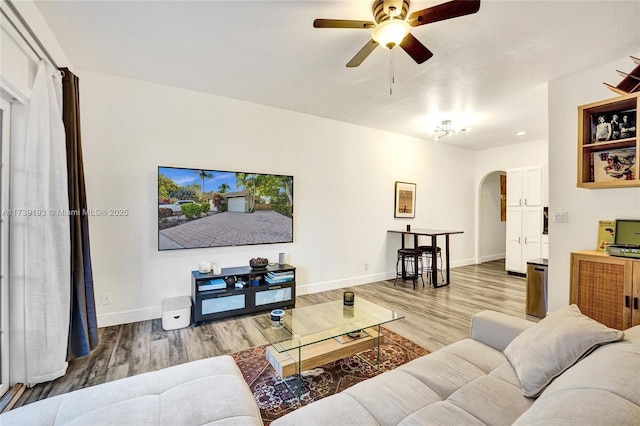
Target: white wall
x,y
344,189
584,206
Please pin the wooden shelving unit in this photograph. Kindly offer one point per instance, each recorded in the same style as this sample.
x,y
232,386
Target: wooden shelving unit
x,y
605,163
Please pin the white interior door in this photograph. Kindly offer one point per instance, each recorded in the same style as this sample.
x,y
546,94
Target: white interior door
x,y
5,120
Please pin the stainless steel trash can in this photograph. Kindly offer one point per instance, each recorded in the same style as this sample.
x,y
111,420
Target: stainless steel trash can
x,y
537,288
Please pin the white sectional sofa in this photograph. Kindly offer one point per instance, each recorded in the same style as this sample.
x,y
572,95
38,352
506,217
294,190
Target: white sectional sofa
x,y
474,382
565,370
206,392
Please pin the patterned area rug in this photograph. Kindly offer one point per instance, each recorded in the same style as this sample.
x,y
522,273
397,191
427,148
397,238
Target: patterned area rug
x,y
276,396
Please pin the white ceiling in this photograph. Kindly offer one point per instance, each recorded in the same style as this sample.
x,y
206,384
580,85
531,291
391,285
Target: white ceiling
x,y
489,70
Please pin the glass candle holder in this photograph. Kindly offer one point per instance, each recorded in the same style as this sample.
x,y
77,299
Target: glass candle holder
x,y
348,298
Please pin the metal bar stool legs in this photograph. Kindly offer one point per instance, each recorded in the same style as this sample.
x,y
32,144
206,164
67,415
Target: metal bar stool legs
x,y
427,253
409,265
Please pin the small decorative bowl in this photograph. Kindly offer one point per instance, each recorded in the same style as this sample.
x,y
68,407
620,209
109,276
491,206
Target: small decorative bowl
x,y
258,263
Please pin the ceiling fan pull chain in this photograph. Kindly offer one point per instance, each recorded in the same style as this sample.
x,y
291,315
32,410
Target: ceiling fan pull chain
x,y
391,71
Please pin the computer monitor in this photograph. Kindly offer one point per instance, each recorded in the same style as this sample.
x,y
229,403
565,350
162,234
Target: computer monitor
x,y
627,232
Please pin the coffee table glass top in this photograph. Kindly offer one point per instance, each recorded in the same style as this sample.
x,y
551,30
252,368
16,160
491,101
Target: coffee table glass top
x,y
312,324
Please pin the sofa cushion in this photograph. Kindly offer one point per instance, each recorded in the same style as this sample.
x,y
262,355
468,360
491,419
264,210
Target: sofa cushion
x,y
601,389
544,351
457,384
209,391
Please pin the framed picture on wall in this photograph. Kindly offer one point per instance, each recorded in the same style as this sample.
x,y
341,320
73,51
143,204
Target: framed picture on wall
x,y
405,200
614,125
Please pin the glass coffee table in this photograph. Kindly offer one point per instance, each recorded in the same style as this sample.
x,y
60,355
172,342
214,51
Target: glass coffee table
x,y
318,334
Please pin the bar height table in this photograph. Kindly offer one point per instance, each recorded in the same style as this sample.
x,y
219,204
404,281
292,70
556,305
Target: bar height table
x,y
433,233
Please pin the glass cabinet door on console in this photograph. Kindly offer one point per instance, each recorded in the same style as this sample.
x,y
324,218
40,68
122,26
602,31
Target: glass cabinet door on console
x,y
273,296
221,304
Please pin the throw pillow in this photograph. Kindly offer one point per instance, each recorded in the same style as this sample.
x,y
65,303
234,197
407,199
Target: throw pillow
x,y
544,351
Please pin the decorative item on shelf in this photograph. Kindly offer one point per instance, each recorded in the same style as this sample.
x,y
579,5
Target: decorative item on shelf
x,y
614,165
258,262
217,270
613,125
408,228
606,234
279,277
230,280
254,280
348,298
204,267
630,81
281,259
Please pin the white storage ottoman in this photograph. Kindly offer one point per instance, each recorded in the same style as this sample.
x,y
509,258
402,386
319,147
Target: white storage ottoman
x,y
176,312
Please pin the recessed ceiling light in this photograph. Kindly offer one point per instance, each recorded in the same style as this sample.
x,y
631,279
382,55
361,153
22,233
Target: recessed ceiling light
x,y
521,133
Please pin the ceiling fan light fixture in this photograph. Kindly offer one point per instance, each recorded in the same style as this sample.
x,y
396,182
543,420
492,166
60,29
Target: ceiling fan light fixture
x,y
447,129
390,33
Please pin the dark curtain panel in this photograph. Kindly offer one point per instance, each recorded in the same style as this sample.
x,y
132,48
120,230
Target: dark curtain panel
x,y
83,327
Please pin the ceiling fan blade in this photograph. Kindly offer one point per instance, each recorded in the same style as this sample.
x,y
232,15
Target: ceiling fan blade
x,y
443,11
415,49
363,53
342,23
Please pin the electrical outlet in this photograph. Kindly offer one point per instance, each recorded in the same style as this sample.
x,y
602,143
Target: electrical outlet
x,y
366,266
561,217
106,298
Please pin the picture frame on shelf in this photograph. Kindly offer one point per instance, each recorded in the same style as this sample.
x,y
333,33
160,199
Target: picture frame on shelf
x,y
405,200
606,234
613,125
614,165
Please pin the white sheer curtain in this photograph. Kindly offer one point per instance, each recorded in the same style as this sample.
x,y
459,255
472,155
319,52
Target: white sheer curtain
x,y
40,245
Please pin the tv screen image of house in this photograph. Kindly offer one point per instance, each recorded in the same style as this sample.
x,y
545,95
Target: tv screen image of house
x,y
200,208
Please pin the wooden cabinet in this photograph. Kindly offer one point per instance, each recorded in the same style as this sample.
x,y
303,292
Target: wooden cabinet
x,y
524,217
606,155
263,290
606,288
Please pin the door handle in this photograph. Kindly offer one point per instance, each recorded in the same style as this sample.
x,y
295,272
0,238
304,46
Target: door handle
x,y
627,299
635,303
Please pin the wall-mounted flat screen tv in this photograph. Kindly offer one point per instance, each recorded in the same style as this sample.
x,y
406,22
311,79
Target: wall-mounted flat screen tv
x,y
214,208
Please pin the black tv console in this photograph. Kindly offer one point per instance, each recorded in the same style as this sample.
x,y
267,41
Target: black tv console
x,y
257,295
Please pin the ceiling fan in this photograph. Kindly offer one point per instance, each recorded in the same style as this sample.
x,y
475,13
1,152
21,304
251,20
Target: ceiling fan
x,y
391,26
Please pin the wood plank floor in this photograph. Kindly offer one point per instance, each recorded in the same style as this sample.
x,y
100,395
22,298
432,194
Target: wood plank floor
x,y
433,318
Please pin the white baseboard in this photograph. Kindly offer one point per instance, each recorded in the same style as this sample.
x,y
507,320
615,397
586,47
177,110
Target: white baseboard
x,y
145,314
492,257
126,317
348,282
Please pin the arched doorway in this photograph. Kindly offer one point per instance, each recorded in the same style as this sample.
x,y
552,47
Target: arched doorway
x,y
492,223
